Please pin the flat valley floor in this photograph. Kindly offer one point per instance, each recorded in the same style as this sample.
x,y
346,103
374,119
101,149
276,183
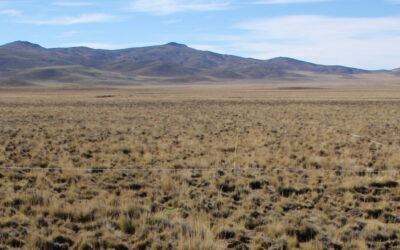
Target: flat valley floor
x,y
185,167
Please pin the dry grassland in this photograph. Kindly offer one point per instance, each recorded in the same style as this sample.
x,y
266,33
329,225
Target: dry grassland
x,y
310,170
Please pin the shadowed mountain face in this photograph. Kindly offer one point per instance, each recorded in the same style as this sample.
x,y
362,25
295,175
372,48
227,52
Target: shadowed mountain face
x,y
26,62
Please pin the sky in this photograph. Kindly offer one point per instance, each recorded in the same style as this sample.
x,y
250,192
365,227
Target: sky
x,y
356,33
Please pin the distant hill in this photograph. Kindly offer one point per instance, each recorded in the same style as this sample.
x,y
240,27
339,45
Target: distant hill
x,y
27,63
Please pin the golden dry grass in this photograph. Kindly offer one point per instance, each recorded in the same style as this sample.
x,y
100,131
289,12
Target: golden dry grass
x,y
308,169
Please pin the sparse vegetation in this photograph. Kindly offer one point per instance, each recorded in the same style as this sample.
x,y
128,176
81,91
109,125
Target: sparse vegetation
x,y
290,189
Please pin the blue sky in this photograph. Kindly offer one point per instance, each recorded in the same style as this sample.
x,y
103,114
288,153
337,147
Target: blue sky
x,y
357,33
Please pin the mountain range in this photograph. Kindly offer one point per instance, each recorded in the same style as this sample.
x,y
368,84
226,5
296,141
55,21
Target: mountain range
x,y
25,63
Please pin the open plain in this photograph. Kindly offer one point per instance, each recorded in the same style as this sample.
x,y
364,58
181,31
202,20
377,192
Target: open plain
x,y
211,167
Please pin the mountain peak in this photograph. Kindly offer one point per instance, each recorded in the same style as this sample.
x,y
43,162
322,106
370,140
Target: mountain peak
x,y
22,44
176,44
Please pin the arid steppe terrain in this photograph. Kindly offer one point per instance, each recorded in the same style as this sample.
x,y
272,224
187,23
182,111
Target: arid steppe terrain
x,y
200,168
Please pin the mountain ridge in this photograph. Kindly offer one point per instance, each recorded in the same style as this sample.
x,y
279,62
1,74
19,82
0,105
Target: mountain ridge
x,y
168,62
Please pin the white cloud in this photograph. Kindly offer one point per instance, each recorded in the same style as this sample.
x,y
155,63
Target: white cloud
x,y
165,7
10,12
72,4
288,1
369,43
85,18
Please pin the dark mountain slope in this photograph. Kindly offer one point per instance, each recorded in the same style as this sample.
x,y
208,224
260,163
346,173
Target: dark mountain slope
x,y
68,74
23,55
297,65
